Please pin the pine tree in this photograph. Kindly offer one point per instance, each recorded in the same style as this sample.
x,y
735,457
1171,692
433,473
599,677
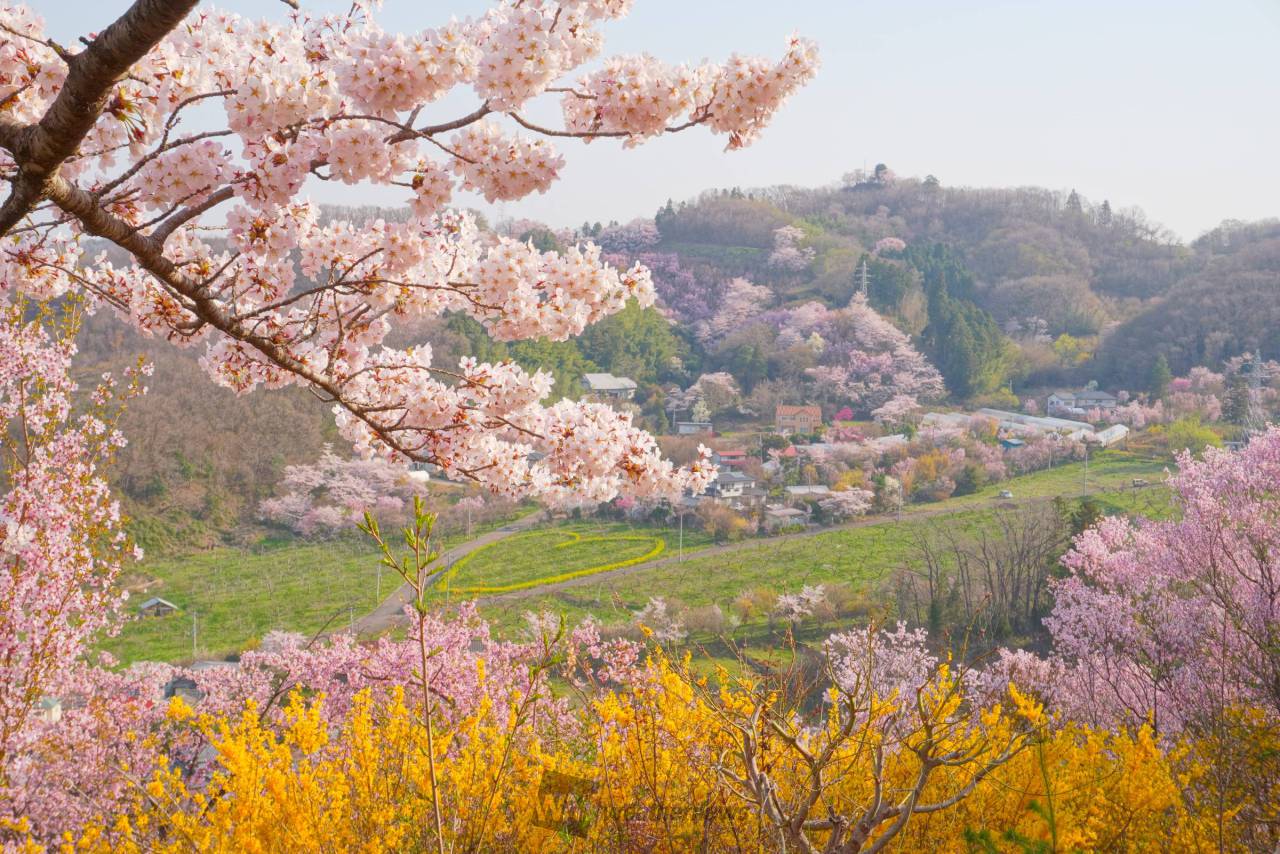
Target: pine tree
x,y
1104,214
1161,376
1074,205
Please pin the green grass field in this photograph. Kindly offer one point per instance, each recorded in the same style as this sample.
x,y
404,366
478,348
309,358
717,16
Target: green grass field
x,y
861,557
538,557
238,595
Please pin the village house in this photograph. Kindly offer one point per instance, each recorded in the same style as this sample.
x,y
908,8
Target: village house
x,y
732,457
783,517
810,491
1080,402
730,484
609,387
797,419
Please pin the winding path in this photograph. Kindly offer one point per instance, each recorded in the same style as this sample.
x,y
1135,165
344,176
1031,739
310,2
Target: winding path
x,y
391,611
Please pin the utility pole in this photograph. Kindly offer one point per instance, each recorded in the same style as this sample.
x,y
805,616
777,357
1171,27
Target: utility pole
x,y
193,637
681,536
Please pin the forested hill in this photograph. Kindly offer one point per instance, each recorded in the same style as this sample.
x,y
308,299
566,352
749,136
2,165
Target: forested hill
x,y
1001,289
1078,290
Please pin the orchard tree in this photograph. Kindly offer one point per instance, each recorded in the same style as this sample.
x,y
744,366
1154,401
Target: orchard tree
x,y
207,227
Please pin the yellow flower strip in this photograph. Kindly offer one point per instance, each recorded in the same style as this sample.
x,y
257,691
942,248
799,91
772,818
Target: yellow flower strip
x,y
573,538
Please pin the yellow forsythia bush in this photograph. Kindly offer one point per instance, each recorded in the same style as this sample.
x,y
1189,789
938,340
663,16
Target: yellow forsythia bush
x,y
669,764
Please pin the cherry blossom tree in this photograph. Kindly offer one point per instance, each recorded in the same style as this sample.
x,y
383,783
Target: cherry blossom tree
x,y
740,302
867,360
105,141
332,494
848,503
788,256
1173,619
62,538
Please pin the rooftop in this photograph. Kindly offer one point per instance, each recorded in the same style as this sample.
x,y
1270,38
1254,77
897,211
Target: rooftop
x,y
608,382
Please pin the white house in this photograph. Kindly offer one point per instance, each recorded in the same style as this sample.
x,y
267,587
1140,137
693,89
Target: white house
x,y
693,428
813,491
1080,402
610,387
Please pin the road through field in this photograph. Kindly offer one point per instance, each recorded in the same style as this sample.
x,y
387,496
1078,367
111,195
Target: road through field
x,y
391,611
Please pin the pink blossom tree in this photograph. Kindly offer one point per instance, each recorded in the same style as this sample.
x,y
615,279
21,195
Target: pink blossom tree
x,y
332,494
788,256
102,141
740,302
62,538
867,360
1167,618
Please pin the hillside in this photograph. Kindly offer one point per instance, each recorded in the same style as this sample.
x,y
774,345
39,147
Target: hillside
x,y
1000,289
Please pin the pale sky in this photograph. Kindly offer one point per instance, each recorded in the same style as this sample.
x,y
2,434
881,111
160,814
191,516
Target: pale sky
x,y
1173,106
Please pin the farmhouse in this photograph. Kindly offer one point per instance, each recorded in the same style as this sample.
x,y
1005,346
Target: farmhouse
x,y
157,607
1080,402
609,387
730,484
812,491
797,419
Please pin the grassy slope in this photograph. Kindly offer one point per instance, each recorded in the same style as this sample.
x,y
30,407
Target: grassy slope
x,y
239,595
861,556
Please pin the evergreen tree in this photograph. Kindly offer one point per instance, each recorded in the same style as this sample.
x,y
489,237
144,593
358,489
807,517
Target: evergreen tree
x,y
1161,376
1104,214
1074,206
1235,405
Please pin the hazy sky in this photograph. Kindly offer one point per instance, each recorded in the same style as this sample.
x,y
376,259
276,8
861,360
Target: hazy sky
x,y
1173,106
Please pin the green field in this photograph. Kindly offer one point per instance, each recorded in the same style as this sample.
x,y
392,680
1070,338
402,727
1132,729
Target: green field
x,y
860,557
237,595
539,557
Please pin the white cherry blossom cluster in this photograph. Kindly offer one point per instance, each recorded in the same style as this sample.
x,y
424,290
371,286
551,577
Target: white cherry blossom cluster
x,y
503,167
432,189
545,294
386,73
359,151
186,174
637,95
749,90
527,46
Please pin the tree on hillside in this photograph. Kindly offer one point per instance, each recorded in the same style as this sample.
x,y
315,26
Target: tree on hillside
x,y
964,341
1161,376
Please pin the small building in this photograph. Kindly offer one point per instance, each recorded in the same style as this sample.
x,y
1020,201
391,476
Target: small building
x,y
1009,443
157,607
797,419
730,484
1112,435
693,428
783,517
817,490
1080,402
49,710
609,387
732,457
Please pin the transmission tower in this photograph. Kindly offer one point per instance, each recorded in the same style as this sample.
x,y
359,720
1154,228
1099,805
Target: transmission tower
x,y
864,280
1255,420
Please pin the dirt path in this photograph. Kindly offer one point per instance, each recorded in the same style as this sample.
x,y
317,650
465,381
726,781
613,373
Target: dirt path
x,y
391,611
